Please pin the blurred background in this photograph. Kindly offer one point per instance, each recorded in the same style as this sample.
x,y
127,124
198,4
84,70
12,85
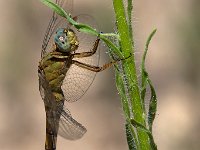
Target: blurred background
x,y
173,64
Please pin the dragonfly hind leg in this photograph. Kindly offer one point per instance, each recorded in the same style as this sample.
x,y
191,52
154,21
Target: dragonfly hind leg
x,y
96,68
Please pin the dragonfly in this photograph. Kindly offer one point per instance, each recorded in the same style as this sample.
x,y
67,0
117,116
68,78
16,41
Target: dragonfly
x,y
66,70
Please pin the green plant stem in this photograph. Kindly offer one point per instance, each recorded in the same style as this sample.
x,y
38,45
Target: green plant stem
x,y
130,12
129,69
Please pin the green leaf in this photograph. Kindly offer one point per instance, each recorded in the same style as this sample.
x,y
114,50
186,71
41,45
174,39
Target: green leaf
x,y
153,100
130,137
59,11
140,126
143,69
122,92
54,7
146,81
152,106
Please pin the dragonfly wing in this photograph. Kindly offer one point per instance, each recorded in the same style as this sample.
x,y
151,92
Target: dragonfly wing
x,y
69,128
78,80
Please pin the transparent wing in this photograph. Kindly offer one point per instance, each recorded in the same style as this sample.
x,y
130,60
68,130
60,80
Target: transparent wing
x,y
54,23
69,128
78,80
59,118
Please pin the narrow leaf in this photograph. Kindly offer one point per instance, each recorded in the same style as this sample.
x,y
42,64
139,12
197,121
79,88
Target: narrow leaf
x,y
121,89
152,106
140,126
54,7
130,138
153,101
143,70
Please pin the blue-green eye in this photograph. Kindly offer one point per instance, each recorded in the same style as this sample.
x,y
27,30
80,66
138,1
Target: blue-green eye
x,y
61,40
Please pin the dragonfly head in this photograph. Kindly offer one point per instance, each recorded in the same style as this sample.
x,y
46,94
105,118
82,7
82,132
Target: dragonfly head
x,y
66,40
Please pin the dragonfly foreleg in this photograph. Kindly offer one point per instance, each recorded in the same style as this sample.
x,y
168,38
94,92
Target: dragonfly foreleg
x,y
87,54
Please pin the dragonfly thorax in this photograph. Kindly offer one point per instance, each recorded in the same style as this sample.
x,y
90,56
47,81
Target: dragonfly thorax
x,y
66,40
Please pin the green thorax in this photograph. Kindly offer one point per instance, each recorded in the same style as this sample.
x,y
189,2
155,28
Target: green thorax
x,y
55,70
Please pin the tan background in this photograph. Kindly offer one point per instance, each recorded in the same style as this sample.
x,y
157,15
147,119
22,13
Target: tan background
x,y
173,63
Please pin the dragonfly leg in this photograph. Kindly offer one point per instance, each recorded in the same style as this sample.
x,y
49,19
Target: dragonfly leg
x,y
57,55
87,54
96,68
